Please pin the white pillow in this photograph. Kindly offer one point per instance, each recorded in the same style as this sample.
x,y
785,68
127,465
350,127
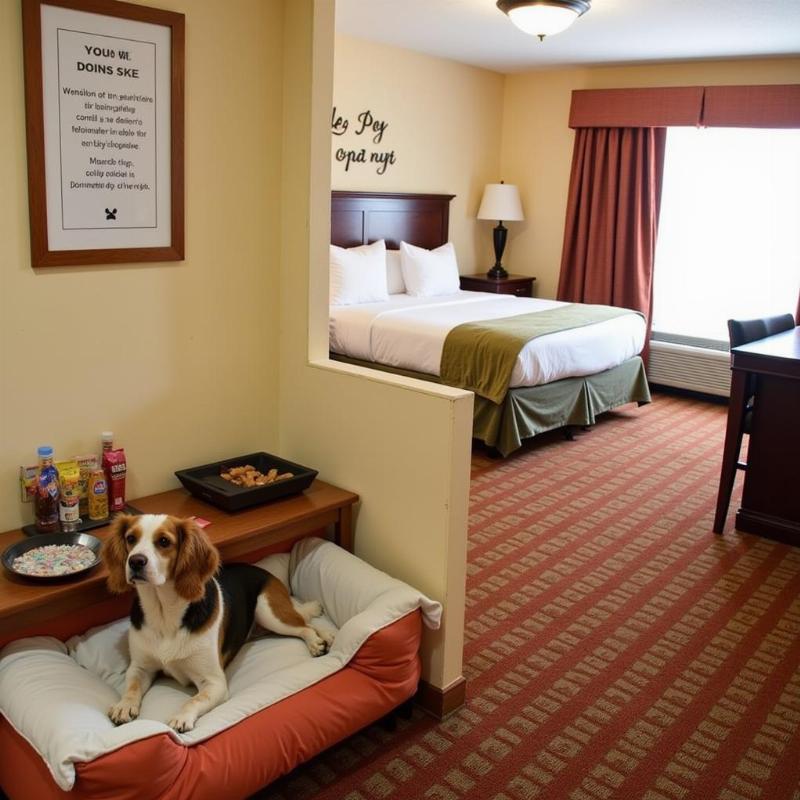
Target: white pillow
x,y
429,272
394,273
358,274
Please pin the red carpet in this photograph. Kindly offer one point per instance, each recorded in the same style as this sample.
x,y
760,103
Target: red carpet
x,y
615,648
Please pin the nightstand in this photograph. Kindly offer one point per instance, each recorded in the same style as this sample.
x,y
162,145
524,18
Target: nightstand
x,y
520,285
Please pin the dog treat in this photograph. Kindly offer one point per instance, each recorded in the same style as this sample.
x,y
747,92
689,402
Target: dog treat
x,y
54,559
98,494
27,482
249,476
86,464
69,479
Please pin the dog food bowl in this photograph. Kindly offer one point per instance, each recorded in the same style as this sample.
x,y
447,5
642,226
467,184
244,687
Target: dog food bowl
x,y
10,554
205,482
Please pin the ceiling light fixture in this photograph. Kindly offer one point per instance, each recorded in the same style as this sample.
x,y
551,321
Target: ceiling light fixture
x,y
543,17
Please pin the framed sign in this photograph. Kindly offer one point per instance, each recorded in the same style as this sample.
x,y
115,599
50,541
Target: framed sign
x,y
104,105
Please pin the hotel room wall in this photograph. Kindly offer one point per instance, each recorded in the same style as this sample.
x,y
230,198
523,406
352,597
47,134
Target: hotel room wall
x,y
180,360
537,144
444,127
402,445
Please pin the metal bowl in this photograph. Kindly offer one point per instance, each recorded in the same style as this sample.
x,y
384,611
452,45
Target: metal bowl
x,y
43,539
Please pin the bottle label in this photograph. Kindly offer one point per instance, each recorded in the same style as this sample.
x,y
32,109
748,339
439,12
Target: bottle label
x,y
51,489
99,487
69,512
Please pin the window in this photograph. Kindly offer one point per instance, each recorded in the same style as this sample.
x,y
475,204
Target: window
x,y
729,230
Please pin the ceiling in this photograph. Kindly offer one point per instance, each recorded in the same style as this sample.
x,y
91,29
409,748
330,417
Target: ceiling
x,y
611,32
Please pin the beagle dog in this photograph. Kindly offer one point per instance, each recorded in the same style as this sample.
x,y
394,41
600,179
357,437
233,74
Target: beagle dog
x,y
190,616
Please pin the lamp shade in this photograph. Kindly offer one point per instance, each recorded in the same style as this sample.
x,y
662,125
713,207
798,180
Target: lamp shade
x,y
501,202
543,17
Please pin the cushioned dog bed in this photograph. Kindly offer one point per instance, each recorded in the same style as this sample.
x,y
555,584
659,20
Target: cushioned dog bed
x,y
284,706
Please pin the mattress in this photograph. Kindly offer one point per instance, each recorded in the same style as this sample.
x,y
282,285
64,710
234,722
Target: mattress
x,y
409,333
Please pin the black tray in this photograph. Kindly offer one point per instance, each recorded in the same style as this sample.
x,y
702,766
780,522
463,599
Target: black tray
x,y
44,539
84,525
205,481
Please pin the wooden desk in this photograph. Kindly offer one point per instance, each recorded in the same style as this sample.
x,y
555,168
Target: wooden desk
x,y
771,495
73,606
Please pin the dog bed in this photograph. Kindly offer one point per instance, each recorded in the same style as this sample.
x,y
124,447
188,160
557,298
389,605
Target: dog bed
x,y
284,706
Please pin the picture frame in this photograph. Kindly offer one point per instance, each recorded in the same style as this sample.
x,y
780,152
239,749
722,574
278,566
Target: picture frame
x,y
104,102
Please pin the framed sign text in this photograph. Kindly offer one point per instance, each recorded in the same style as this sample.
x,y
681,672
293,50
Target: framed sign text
x,y
104,104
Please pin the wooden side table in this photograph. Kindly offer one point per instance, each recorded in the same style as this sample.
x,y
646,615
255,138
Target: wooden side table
x,y
65,608
519,285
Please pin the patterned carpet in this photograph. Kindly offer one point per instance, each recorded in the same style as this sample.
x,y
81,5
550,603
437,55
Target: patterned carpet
x,y
615,648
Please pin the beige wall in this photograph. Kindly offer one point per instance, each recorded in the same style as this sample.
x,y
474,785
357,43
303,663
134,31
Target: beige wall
x,y
537,144
443,125
179,360
197,360
402,445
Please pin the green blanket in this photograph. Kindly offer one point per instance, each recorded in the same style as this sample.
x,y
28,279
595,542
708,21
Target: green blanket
x,y
480,356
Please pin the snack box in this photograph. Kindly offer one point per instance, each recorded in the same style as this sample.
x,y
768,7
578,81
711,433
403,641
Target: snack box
x,y
205,482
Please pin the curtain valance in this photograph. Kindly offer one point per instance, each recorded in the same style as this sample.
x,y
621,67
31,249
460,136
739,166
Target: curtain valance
x,y
769,106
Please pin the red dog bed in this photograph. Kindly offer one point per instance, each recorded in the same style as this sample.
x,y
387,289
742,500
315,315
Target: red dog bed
x,y
56,742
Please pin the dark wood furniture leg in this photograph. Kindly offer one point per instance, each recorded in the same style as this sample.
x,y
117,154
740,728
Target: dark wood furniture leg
x,y
343,529
730,451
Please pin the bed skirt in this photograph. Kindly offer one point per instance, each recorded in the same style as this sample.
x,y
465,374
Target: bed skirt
x,y
531,410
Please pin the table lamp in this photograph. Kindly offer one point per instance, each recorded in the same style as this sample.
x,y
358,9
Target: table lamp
x,y
501,202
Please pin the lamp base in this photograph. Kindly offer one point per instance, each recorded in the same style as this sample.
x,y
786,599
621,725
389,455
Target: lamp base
x,y
497,273
499,234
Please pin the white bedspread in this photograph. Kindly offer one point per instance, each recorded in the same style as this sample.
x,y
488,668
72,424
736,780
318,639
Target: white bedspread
x,y
409,333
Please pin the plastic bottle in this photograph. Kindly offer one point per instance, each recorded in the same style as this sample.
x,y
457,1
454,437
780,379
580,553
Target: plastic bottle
x,y
69,484
107,437
46,496
98,494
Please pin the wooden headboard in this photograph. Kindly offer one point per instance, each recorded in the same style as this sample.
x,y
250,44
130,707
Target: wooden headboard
x,y
363,217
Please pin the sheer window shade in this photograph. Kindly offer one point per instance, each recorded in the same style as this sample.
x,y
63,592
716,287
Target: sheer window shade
x,y
728,243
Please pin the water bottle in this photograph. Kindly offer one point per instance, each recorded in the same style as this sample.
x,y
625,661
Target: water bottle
x,y
46,496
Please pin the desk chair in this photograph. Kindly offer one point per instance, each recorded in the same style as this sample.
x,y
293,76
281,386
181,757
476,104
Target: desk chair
x,y
740,409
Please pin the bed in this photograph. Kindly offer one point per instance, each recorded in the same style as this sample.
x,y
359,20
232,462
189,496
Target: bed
x,y
563,378
56,740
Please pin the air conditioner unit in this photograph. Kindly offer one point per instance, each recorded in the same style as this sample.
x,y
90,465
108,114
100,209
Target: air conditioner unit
x,y
698,369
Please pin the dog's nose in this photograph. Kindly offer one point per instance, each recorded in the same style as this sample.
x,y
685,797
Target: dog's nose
x,y
137,562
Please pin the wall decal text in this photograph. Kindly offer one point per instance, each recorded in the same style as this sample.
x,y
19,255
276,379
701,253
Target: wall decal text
x,y
365,124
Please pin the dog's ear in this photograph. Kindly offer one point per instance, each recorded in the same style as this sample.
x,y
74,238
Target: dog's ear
x,y
115,554
196,562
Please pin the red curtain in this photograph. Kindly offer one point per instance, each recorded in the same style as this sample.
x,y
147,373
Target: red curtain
x,y
769,106
660,107
612,218
752,106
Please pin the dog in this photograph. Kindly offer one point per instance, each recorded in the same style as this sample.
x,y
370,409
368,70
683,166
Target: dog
x,y
190,616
